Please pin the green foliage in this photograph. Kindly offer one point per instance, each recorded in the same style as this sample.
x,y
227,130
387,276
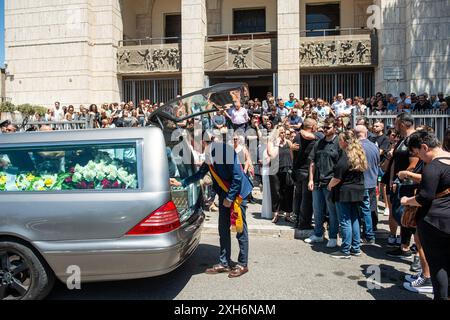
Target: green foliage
x,y
7,107
26,109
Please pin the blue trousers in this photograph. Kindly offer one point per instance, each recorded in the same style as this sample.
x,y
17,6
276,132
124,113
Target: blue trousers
x,y
225,236
348,213
366,215
322,204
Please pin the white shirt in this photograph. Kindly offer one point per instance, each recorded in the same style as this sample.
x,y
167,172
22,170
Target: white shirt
x,y
239,116
337,105
59,114
342,108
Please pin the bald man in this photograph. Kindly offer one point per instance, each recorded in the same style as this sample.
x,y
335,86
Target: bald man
x,y
369,204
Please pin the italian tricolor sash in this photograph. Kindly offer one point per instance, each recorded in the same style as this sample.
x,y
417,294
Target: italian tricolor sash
x,y
237,221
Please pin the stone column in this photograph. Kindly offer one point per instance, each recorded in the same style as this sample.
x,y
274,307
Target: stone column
x,y
194,31
427,46
106,30
391,40
288,47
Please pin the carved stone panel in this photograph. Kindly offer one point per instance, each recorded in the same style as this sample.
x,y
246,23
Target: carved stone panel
x,y
145,59
335,52
240,55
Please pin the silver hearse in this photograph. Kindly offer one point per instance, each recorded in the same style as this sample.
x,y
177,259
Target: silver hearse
x,y
96,205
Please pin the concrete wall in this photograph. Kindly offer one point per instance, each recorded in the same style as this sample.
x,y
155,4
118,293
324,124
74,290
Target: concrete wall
x,y
62,50
151,12
160,10
229,5
415,37
427,60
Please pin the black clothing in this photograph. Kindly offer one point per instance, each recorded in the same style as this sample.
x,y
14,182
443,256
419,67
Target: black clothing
x,y
436,246
401,156
325,154
301,157
371,137
303,205
351,188
275,119
280,193
426,106
382,143
435,179
285,159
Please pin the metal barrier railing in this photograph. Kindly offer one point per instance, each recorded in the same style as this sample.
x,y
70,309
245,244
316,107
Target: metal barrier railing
x,y
336,32
242,36
56,125
148,41
435,119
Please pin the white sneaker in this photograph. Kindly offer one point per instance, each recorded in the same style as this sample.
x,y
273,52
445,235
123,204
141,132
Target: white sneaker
x,y
420,285
386,212
314,239
332,243
412,277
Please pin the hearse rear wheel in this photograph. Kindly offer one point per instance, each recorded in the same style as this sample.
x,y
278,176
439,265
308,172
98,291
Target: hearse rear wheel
x,y
22,274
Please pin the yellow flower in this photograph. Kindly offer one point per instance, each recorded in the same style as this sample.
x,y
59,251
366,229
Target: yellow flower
x,y
41,189
30,177
3,179
48,182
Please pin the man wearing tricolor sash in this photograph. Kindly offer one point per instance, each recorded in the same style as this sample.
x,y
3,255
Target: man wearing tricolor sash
x,y
233,188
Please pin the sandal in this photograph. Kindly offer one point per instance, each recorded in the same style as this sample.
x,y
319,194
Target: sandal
x,y
276,218
289,218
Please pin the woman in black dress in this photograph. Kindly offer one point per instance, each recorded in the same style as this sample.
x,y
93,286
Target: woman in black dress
x,y
433,220
280,153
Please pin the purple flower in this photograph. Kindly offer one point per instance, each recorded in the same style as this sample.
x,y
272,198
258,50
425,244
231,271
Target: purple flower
x,y
82,185
68,180
106,183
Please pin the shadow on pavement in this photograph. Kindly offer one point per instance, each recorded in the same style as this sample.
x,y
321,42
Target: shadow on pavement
x,y
165,287
379,252
388,276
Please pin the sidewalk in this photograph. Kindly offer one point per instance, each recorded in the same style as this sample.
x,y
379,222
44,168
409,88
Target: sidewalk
x,y
264,227
256,224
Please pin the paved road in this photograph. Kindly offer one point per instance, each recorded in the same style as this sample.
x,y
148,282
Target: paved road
x,y
280,268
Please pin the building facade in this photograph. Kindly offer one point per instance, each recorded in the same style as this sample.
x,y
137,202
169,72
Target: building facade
x,y
95,51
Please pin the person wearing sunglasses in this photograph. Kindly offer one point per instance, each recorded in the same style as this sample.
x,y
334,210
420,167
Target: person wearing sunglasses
x,y
295,121
324,157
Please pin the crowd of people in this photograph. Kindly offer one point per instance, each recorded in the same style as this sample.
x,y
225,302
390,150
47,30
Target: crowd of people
x,y
330,173
270,112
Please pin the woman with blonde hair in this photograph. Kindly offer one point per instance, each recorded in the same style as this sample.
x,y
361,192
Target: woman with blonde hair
x,y
279,150
347,187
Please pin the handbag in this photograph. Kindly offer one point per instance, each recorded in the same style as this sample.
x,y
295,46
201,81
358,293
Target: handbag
x,y
409,217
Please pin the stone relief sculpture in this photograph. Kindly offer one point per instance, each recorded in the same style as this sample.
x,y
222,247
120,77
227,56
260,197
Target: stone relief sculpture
x,y
124,57
240,55
149,60
256,54
335,53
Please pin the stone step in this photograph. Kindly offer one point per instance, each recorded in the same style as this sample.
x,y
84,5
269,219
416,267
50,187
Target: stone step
x,y
280,232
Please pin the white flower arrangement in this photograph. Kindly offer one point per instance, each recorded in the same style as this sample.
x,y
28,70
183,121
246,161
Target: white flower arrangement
x,y
94,175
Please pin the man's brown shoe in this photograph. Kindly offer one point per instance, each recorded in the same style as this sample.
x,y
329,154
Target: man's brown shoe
x,y
238,271
218,268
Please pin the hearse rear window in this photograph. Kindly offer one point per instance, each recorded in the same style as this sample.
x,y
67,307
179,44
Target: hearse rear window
x,y
74,167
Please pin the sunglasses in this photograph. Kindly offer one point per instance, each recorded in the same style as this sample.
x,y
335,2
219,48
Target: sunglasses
x,y
327,128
